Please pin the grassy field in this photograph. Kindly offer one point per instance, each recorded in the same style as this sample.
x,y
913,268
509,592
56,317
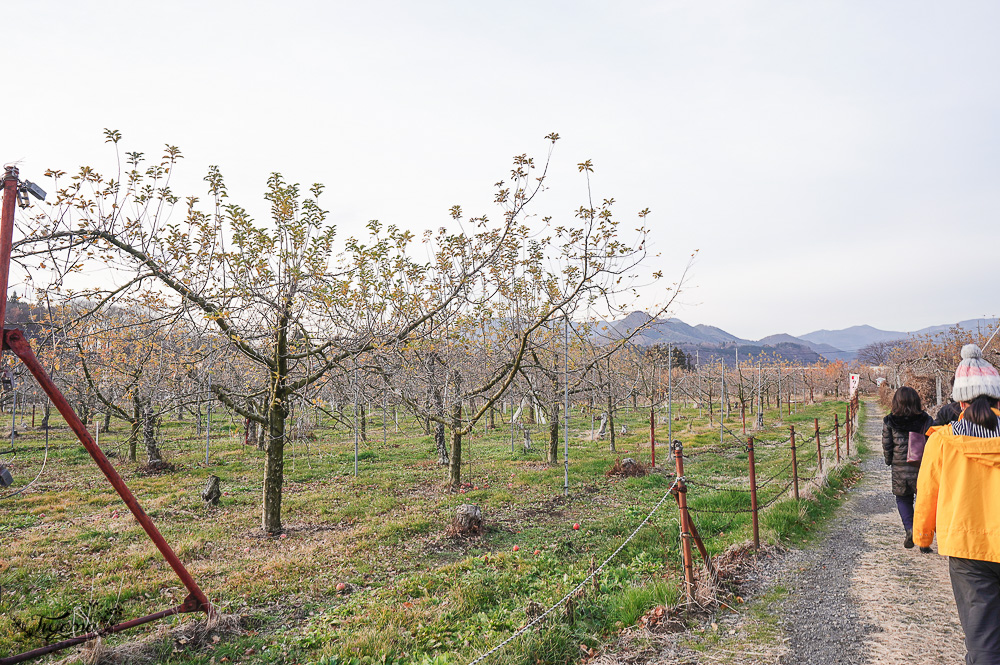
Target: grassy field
x,y
415,593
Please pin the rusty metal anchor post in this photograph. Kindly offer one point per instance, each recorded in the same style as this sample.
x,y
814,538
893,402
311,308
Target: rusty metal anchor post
x,y
753,493
681,495
15,341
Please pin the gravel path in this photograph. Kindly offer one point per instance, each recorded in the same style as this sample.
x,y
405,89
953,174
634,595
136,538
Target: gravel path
x,y
853,596
857,596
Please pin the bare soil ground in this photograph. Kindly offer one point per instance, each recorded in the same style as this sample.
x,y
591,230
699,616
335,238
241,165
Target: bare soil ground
x,y
854,595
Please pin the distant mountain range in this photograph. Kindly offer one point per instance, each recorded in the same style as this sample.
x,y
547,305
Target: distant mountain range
x,y
709,342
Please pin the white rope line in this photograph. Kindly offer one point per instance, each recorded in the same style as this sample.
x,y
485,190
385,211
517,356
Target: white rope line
x,y
37,476
579,586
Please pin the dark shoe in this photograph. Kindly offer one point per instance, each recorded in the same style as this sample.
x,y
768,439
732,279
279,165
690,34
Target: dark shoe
x,y
908,543
926,550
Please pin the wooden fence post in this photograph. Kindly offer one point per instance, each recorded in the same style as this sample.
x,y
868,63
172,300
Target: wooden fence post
x,y
753,495
795,465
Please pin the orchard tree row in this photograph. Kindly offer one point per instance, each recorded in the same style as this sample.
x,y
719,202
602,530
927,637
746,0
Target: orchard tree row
x,y
146,305
151,302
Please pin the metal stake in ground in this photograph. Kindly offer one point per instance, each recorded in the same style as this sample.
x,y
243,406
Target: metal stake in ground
x,y
753,494
816,426
819,455
850,428
836,429
208,421
838,444
795,465
685,521
566,410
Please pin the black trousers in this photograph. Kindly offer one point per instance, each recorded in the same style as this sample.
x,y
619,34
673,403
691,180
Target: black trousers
x,y
976,585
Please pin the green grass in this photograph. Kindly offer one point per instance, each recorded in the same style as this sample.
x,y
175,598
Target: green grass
x,y
419,595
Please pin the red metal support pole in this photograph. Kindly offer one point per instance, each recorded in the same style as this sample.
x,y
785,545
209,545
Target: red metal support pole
x,y
795,465
836,428
850,431
838,448
819,446
652,437
849,423
685,521
819,455
15,341
7,234
186,606
753,495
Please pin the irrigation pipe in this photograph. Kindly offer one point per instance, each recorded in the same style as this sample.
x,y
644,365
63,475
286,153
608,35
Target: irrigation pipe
x,y
579,586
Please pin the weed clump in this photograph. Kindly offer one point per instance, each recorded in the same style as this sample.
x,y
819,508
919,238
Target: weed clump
x,y
626,468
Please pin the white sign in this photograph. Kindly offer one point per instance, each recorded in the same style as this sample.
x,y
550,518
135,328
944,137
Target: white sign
x,y
855,380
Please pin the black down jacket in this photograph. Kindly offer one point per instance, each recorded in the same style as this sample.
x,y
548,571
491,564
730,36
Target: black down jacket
x,y
895,444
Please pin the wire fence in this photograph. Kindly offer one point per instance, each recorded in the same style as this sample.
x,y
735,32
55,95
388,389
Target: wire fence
x,y
683,483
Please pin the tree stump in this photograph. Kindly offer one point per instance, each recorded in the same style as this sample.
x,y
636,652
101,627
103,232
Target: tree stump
x,y
211,494
468,520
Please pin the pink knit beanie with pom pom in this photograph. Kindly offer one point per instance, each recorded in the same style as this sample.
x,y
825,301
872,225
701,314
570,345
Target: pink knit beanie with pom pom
x,y
975,376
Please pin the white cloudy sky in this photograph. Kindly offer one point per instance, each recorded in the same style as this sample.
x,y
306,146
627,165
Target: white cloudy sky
x,y
835,163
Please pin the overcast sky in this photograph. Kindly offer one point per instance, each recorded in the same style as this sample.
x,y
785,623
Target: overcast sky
x,y
836,163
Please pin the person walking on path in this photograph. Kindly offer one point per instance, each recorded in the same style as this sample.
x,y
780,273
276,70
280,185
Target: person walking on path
x,y
906,420
958,494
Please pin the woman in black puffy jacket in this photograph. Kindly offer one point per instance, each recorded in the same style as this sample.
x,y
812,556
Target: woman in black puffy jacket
x,y
907,416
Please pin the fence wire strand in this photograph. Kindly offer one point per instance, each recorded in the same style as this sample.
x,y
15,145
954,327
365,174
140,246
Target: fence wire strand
x,y
579,586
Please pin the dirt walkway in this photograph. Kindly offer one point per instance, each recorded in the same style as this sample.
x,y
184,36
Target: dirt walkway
x,y
858,596
853,596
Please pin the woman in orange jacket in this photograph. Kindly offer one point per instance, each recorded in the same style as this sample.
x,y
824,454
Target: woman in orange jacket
x,y
958,496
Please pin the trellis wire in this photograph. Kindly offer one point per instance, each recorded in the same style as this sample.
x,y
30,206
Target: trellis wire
x,y
38,475
579,586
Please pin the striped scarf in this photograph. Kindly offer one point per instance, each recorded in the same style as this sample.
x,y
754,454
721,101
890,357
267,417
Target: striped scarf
x,y
966,428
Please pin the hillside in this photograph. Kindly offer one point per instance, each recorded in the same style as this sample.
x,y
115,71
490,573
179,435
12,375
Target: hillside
x,y
712,342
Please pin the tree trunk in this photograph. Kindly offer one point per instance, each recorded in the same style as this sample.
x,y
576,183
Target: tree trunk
x,y
436,399
611,422
149,435
274,464
553,456
553,452
441,444
136,430
84,413
107,421
363,415
455,464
